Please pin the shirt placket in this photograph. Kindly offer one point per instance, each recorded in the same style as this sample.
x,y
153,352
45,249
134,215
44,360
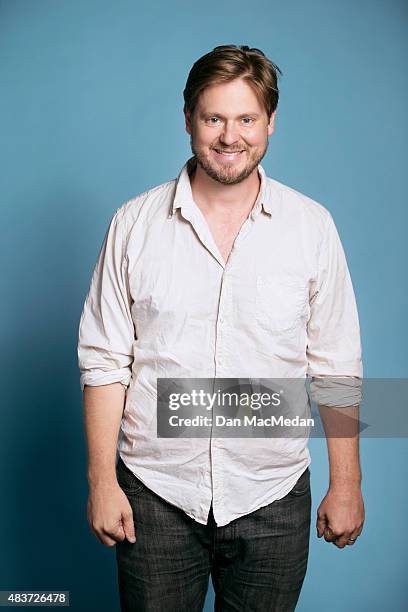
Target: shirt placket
x,y
223,358
224,365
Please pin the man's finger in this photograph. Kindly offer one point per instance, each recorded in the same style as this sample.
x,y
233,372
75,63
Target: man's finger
x,y
104,538
329,535
129,526
320,525
360,530
351,540
341,540
117,534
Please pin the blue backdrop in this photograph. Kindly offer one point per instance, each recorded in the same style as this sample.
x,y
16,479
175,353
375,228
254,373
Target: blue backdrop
x,y
91,115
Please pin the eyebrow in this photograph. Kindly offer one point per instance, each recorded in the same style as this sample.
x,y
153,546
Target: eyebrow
x,y
209,114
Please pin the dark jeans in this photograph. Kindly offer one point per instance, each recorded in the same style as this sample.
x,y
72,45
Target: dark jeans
x,y
257,562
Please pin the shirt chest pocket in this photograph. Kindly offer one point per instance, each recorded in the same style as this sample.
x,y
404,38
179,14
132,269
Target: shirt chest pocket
x,y
281,304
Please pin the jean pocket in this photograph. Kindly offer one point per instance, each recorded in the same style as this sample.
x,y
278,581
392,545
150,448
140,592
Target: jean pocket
x,y
127,481
302,486
280,304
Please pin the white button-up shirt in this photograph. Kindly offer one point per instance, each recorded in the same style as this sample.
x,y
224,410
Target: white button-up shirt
x,y
164,304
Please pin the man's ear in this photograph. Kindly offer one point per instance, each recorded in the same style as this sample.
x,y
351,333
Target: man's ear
x,y
271,124
187,116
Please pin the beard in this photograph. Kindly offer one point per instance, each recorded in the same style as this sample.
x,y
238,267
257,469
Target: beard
x,y
227,174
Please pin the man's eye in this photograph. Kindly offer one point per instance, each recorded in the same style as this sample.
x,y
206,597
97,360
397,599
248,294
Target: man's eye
x,y
248,120
212,120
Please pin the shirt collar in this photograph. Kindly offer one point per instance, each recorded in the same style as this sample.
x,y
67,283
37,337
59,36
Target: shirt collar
x,y
183,196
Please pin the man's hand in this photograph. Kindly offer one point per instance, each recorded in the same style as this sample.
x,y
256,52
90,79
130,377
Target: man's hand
x,y
340,516
110,515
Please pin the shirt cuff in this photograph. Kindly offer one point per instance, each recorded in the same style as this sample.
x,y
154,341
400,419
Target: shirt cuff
x,y
96,378
336,391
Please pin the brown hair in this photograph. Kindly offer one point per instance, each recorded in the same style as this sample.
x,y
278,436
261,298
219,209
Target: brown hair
x,y
228,62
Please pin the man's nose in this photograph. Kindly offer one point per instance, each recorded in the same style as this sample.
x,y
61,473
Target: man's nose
x,y
229,134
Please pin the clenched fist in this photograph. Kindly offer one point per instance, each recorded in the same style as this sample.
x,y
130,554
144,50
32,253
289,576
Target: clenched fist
x,y
110,515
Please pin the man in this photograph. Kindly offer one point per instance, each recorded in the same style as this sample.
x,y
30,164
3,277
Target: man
x,y
223,272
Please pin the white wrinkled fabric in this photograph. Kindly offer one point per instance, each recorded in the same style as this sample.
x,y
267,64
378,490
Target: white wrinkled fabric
x,y
162,303
336,392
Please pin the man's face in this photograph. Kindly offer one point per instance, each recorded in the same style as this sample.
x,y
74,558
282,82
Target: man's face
x,y
229,131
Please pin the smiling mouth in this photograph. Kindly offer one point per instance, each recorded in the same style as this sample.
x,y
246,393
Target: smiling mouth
x,y
228,156
228,152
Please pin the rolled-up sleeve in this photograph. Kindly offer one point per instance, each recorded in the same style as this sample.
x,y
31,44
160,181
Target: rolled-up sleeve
x,y
334,345
106,331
